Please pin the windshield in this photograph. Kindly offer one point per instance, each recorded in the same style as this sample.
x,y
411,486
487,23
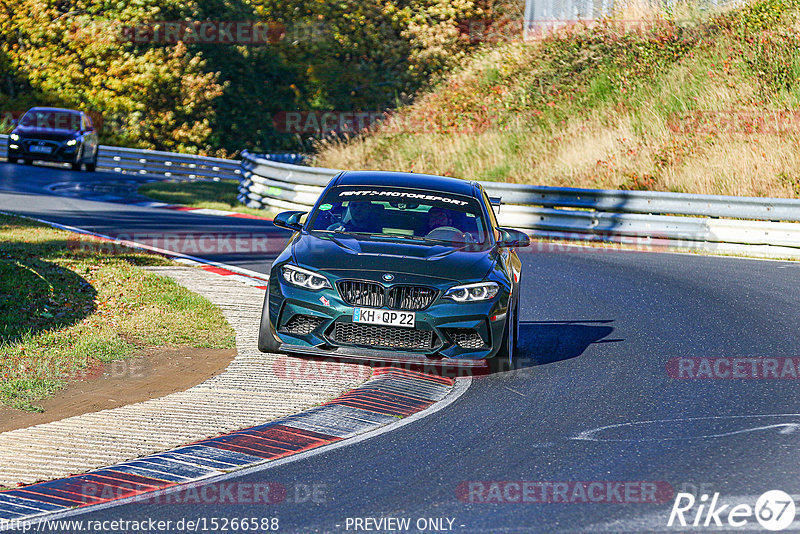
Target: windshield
x,y
401,213
51,120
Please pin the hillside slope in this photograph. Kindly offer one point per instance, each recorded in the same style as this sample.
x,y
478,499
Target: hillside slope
x,y
687,103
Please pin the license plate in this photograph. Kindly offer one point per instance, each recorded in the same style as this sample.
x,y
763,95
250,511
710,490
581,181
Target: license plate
x,y
40,149
385,317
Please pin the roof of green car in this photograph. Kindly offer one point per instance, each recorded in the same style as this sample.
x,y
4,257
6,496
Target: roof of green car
x,y
407,179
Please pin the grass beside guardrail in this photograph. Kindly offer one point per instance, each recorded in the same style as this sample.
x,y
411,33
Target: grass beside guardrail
x,y
67,304
687,103
219,195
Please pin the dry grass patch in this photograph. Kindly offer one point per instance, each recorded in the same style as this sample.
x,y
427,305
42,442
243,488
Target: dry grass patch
x,y
690,101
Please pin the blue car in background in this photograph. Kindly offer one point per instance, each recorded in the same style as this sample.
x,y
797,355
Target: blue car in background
x,y
54,134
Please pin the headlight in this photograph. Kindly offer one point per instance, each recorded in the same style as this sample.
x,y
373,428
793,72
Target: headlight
x,y
72,142
303,278
472,292
14,137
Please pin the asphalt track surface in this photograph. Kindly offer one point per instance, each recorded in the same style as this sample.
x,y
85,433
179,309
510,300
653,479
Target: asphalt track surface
x,y
22,190
591,400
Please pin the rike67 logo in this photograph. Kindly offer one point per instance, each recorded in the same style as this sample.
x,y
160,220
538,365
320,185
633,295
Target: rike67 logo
x,y
774,510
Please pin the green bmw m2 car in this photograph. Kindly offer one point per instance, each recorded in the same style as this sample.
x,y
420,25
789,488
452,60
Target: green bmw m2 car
x,y
397,267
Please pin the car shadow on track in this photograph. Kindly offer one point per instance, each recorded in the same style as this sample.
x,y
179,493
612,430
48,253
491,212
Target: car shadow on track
x,y
544,342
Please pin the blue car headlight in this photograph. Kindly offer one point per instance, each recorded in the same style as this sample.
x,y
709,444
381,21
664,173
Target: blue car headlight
x,y
473,292
300,277
14,137
72,142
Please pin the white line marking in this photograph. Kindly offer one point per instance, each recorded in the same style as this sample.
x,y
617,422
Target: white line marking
x,y
786,428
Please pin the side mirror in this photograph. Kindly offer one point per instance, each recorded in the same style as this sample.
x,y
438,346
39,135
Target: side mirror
x,y
510,237
289,220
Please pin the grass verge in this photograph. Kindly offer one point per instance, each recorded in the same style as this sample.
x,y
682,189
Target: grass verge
x,y
683,101
219,195
66,305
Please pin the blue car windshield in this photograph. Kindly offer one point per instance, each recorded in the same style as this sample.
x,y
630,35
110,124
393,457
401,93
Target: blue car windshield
x,y
401,213
47,119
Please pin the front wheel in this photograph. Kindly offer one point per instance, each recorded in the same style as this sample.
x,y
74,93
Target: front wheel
x,y
266,340
77,165
13,160
90,167
504,360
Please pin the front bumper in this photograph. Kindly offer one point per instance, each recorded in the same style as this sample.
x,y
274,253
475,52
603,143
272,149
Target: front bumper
x,y
379,356
60,152
312,322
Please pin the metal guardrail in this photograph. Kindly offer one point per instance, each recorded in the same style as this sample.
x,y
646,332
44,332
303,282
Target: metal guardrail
x,y
157,163
723,223
696,221
167,164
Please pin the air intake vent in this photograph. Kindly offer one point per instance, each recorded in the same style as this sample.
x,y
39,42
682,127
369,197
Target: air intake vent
x,y
383,336
466,338
357,293
301,325
410,297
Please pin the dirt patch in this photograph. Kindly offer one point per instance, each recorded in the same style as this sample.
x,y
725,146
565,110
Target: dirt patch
x,y
151,373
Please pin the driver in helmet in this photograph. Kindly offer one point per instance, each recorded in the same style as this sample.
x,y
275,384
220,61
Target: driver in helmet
x,y
360,216
438,217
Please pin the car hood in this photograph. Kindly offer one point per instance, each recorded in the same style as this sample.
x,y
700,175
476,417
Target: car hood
x,y
341,252
53,134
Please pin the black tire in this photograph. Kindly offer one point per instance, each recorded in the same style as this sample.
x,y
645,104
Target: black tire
x,y
28,162
504,360
266,341
77,165
13,160
516,330
90,167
